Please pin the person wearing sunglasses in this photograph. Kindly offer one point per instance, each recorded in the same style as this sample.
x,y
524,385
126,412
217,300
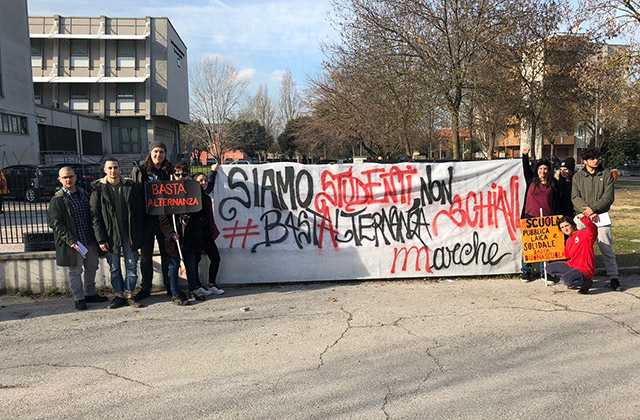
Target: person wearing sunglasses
x,y
189,232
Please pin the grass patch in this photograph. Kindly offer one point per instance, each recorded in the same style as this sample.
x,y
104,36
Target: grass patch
x,y
625,225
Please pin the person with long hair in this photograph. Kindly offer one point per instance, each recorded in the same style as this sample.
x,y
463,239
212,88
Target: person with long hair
x,y
539,196
155,167
210,245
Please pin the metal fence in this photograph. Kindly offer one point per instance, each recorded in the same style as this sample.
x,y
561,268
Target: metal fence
x,y
24,222
23,209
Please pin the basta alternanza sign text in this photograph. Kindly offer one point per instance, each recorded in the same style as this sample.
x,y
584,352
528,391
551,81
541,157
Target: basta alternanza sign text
x,y
173,197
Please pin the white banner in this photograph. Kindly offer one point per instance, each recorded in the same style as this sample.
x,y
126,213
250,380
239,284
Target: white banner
x,y
289,222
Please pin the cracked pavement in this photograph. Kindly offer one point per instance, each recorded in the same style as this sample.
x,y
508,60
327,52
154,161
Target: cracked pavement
x,y
467,349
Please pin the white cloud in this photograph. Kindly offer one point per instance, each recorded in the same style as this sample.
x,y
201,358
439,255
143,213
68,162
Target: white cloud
x,y
276,76
214,56
246,74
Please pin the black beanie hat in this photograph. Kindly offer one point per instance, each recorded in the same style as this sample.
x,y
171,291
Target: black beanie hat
x,y
158,144
569,163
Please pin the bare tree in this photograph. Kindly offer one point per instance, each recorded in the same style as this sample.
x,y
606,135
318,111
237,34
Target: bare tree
x,y
444,41
290,102
261,108
217,89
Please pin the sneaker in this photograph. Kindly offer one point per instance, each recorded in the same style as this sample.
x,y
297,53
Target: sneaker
x,y
198,295
205,292
117,302
215,290
142,294
553,278
95,298
134,303
526,277
81,305
180,299
585,289
615,285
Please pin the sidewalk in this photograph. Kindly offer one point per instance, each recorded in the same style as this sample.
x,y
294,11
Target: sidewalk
x,y
452,349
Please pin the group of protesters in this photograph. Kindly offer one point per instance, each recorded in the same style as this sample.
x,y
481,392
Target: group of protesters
x,y
113,220
583,199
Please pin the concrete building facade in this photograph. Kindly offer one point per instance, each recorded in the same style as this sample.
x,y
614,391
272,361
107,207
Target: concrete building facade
x,y
18,129
129,73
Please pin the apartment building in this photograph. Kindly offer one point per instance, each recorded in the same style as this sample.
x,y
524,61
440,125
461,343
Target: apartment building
x,y
550,67
129,73
18,129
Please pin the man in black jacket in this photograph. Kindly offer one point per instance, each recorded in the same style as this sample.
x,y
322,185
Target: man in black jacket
x,y
117,210
155,167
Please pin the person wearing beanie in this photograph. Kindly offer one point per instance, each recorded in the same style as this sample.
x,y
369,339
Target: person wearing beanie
x,y
155,167
565,207
592,194
539,196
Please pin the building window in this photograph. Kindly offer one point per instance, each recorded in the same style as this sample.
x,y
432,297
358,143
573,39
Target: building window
x,y
128,135
126,54
36,52
37,93
179,62
13,124
79,53
79,93
126,98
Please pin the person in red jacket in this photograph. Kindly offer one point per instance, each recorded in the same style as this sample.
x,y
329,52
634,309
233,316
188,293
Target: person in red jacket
x,y
578,271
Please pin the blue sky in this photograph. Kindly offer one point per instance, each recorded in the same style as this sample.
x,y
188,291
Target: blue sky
x,y
261,38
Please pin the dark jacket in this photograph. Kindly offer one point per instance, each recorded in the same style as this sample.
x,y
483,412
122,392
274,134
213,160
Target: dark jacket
x,y
193,234
65,232
103,214
563,197
529,175
592,190
141,175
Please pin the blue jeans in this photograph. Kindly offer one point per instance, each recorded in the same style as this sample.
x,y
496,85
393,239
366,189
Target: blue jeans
x,y
130,264
190,267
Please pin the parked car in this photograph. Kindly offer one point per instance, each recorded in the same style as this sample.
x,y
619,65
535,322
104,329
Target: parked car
x,y
212,161
31,183
19,179
241,162
228,161
629,169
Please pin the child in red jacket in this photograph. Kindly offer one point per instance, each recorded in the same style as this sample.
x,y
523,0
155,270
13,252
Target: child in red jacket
x,y
578,271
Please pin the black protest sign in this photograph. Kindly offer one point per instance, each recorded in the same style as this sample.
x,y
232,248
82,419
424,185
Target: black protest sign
x,y
173,197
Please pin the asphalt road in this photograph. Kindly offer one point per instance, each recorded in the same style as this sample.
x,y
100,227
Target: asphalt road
x,y
453,349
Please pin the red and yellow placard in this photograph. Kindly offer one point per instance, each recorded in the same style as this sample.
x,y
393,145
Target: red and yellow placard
x,y
542,239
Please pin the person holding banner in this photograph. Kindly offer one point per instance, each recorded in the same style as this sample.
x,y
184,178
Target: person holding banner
x,y
117,211
210,247
155,167
578,271
184,237
592,193
539,196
